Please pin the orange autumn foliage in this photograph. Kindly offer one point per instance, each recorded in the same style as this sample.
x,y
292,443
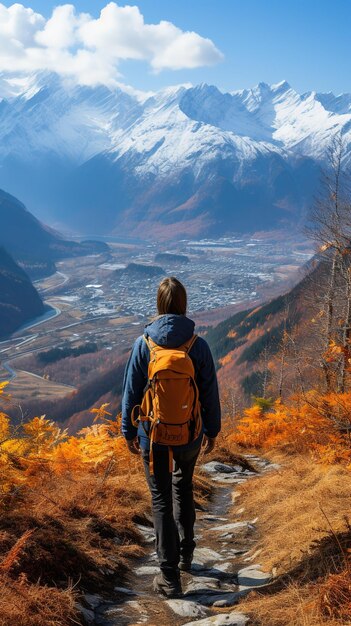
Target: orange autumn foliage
x,y
319,424
40,444
226,359
13,554
88,487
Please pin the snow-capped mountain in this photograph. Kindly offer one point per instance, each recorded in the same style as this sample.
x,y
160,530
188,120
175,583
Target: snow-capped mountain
x,y
183,161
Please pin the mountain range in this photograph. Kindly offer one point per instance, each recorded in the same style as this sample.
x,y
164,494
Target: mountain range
x,y
185,161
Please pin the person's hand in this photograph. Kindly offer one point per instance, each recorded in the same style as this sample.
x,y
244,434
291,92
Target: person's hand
x,y
208,443
133,445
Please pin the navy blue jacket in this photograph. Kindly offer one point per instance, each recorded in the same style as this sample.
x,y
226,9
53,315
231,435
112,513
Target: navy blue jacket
x,y
171,331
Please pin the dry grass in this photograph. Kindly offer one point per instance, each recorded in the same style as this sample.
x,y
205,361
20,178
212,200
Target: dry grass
x,y
304,538
295,606
335,594
80,529
27,386
76,530
296,505
23,604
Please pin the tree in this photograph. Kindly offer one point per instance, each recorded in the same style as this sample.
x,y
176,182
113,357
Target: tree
x,y
330,227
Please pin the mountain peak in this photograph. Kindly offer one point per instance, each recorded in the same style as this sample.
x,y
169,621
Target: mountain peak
x,y
283,85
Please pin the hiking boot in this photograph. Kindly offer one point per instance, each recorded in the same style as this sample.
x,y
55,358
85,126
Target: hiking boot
x,y
185,563
168,588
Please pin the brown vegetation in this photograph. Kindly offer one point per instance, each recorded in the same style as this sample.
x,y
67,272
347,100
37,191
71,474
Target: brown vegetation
x,y
66,518
302,513
69,509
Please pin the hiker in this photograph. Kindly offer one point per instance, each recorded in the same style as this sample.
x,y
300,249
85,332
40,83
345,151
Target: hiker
x,y
151,425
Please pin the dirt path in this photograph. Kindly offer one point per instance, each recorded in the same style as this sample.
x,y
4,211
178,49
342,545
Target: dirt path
x,y
222,570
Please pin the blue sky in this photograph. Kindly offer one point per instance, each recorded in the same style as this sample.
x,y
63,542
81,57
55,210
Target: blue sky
x,y
306,42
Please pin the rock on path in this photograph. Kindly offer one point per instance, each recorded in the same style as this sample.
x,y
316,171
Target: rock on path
x,y
220,575
230,619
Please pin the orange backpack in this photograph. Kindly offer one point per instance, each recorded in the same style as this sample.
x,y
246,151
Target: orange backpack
x,y
171,398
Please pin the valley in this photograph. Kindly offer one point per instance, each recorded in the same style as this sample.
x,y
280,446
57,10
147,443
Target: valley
x,y
104,300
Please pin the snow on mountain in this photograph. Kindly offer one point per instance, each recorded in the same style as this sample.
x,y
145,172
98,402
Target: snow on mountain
x,y
70,121
189,155
302,124
335,104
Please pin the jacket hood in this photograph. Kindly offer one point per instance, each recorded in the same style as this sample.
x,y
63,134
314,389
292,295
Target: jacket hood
x,y
170,330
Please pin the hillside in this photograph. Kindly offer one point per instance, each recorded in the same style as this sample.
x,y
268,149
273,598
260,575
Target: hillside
x,y
181,162
19,300
248,345
140,270
35,246
170,257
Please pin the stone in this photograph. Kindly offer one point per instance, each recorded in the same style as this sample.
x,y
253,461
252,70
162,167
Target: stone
x,y
147,570
225,537
113,611
93,600
225,528
201,584
229,599
186,608
227,567
134,604
228,469
213,467
227,619
204,595
236,551
152,558
89,616
228,474
206,555
147,532
252,576
127,592
219,570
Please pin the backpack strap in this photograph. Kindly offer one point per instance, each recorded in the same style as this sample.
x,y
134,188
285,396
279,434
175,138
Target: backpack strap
x,y
189,344
148,342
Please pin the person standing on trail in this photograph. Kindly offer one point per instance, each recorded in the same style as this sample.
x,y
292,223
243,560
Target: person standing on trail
x,y
170,410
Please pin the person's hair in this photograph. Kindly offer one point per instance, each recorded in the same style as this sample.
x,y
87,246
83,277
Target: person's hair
x,y
171,297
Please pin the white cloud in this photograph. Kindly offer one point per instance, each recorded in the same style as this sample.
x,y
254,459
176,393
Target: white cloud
x,y
90,50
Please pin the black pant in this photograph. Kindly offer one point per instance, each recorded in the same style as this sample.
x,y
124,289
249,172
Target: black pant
x,y
172,506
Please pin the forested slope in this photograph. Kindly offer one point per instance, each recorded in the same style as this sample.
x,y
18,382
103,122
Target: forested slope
x,y
19,300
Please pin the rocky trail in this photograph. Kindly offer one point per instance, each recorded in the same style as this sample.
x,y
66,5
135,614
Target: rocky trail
x,y
223,570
